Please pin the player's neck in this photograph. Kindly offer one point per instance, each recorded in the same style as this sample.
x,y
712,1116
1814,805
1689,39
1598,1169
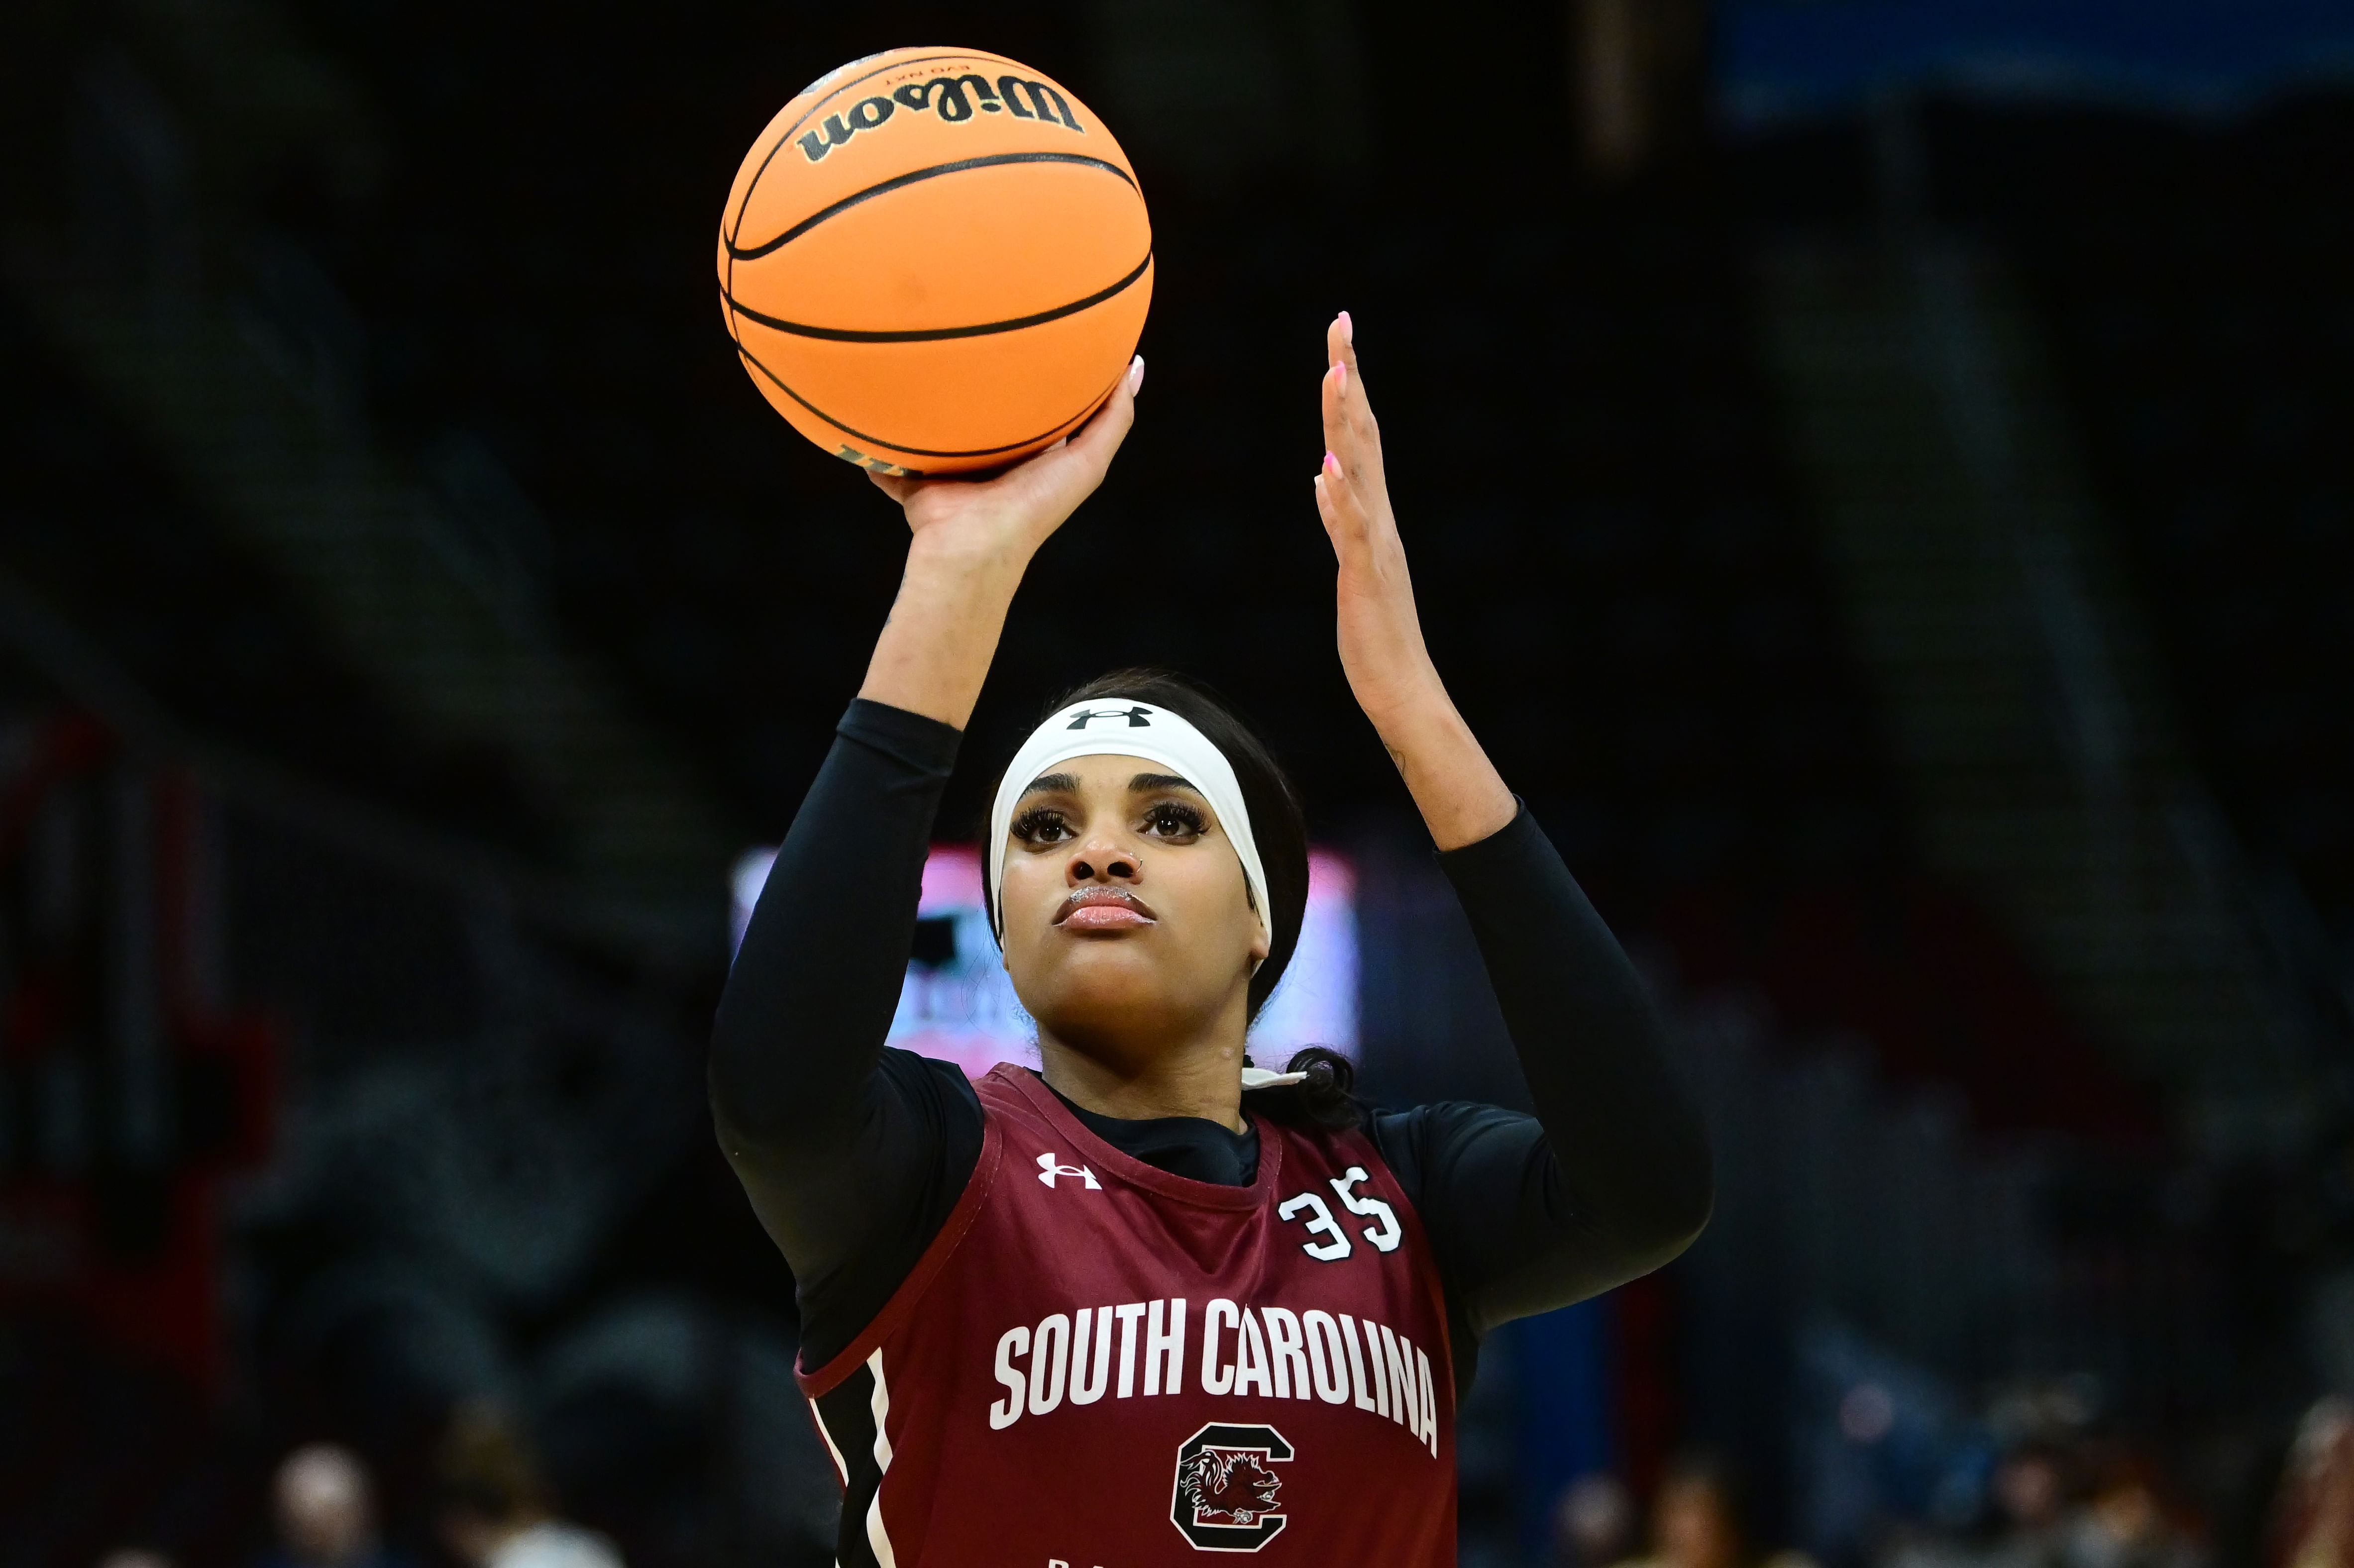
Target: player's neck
x,y
1201,1077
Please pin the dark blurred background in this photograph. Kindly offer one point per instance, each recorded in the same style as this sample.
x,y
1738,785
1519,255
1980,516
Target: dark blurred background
x,y
1879,480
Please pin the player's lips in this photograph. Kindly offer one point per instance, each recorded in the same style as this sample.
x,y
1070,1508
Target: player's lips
x,y
1103,910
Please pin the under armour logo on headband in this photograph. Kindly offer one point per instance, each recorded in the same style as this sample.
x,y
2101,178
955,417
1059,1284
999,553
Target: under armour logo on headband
x,y
1135,717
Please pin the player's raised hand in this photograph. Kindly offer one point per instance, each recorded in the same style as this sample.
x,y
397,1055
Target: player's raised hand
x,y
1018,510
1380,634
1461,797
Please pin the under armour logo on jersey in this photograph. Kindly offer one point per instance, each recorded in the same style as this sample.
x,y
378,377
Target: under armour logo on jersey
x,y
1048,1170
1136,717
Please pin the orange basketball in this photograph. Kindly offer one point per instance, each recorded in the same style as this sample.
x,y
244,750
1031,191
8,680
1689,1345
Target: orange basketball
x,y
935,260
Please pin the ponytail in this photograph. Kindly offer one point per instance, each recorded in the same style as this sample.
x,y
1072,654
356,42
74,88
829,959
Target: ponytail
x,y
1323,1099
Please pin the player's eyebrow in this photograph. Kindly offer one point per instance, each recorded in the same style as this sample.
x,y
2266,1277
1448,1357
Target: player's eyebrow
x,y
1052,784
1143,782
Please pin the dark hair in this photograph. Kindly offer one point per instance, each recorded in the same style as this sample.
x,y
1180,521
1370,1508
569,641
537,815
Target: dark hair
x,y
1280,830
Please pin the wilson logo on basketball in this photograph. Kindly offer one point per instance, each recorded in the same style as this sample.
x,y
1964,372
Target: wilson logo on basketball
x,y
948,97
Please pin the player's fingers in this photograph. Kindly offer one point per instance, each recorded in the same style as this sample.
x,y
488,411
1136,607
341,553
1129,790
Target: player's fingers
x,y
1341,348
1329,512
1363,427
1340,343
1349,433
1333,397
1336,504
1349,425
1101,436
1058,479
892,485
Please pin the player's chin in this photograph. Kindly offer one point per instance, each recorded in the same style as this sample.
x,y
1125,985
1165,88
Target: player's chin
x,y
1099,975
1120,957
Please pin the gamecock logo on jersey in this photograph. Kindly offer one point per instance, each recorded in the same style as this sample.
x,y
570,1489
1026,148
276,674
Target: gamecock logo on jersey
x,y
1225,1495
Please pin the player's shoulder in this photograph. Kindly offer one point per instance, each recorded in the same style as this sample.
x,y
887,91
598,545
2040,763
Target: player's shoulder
x,y
1419,1140
928,1073
936,1092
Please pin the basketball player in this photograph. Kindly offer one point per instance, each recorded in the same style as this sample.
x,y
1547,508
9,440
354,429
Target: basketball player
x,y
1154,1301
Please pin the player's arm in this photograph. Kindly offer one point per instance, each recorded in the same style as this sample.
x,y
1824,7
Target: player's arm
x,y
1613,1178
844,1153
1458,791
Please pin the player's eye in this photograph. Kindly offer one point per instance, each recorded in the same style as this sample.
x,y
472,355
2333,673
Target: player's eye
x,y
1174,820
1042,825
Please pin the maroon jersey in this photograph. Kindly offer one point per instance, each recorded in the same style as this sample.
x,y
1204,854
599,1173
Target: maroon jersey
x,y
1098,1364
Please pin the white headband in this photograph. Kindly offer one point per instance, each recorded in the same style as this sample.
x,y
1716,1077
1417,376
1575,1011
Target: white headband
x,y
1122,727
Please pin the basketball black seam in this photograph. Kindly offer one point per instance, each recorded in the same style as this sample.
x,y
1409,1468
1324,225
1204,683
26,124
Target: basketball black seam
x,y
938,335
785,140
991,161
753,360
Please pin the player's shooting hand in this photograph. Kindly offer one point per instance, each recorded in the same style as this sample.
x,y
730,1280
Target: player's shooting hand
x,y
1381,649
972,540
1009,515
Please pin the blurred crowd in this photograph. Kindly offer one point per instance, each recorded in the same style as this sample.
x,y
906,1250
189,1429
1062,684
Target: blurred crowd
x,y
2055,1505
2047,1502
492,1511
1700,1518
2317,1517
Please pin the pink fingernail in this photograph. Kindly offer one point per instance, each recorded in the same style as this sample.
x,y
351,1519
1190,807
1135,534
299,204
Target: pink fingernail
x,y
1348,328
1341,378
1332,463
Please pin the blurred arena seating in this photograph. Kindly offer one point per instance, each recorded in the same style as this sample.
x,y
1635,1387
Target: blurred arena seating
x,y
2195,285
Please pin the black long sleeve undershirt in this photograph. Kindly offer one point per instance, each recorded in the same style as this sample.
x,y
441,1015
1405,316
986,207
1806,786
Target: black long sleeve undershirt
x,y
854,1155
